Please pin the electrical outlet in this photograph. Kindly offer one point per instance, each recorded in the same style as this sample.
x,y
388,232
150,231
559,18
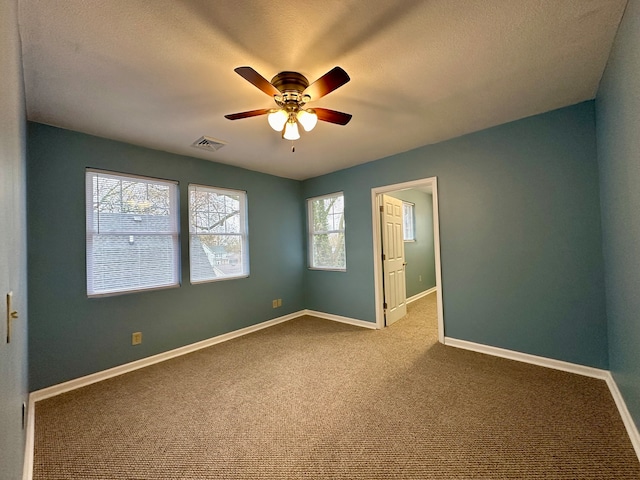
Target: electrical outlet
x,y
279,302
136,338
274,303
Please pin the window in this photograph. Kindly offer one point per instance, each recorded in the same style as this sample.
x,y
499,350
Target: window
x,y
326,232
218,243
409,222
132,233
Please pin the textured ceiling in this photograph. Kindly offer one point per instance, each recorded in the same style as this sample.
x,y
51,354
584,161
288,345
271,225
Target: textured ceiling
x,y
160,73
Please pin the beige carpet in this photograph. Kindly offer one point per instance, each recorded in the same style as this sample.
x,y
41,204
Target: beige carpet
x,y
314,399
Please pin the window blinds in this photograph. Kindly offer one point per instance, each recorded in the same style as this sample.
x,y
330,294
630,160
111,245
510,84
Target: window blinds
x,y
132,233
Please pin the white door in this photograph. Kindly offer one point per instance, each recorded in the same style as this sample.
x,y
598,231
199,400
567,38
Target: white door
x,y
393,263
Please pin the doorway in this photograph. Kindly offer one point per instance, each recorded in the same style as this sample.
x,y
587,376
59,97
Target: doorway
x,y
425,184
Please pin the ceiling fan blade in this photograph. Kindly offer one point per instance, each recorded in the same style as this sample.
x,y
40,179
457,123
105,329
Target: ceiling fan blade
x,y
250,113
327,83
251,76
332,116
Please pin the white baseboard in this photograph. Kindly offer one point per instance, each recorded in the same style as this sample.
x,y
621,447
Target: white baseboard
x,y
420,295
627,419
528,358
338,318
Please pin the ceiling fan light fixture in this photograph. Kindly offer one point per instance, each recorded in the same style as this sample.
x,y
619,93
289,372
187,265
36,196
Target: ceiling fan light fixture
x,y
308,119
291,130
291,91
277,119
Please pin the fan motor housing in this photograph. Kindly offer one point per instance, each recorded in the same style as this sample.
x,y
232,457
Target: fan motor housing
x,y
290,82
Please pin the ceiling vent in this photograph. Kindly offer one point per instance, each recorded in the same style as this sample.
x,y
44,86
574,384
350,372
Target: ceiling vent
x,y
208,143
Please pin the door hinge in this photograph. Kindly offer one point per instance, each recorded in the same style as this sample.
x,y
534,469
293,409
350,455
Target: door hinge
x,y
384,257
384,305
381,208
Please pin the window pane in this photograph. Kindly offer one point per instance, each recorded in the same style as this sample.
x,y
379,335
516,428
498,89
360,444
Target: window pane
x,y
216,257
328,250
214,212
408,221
132,233
328,214
218,245
326,232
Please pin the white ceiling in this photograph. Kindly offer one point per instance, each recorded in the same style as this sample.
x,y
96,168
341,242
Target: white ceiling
x,y
160,73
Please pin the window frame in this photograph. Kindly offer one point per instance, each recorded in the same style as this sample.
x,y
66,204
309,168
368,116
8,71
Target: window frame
x,y
90,233
244,231
311,233
412,208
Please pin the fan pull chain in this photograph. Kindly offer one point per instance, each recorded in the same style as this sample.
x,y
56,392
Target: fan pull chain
x,y
293,148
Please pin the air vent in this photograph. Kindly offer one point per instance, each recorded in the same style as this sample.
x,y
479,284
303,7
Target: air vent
x,y
208,143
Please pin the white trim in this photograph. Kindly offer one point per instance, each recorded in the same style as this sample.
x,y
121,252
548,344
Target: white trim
x,y
627,419
436,251
338,318
27,469
377,247
116,174
378,291
214,189
528,358
420,295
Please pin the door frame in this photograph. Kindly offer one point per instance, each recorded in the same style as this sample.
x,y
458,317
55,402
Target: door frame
x,y
377,247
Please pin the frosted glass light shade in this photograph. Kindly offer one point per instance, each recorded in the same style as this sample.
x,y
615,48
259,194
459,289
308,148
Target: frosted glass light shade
x,y
291,131
307,119
277,119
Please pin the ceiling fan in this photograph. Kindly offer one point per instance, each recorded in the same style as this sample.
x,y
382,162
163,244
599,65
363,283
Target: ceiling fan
x,y
291,91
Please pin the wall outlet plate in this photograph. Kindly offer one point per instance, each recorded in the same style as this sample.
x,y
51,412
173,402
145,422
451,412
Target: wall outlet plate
x,y
136,338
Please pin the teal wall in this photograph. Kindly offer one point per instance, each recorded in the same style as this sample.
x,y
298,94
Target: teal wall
x,y
71,335
419,255
520,237
521,248
618,134
13,244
